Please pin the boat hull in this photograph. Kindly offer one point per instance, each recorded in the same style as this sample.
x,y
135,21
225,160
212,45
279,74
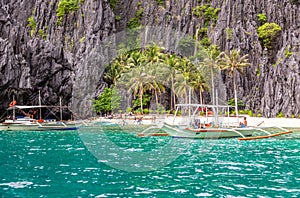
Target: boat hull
x,y
209,133
35,127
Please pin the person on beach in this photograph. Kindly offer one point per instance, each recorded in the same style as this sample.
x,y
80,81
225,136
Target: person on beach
x,y
244,123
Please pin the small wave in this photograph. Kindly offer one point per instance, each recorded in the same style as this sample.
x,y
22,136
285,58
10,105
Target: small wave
x,y
203,195
22,184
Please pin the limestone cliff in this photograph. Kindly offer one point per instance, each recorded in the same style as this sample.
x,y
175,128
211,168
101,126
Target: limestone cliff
x,y
51,56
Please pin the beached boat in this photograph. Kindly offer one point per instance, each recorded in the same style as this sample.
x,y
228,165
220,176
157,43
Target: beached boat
x,y
24,123
208,133
214,126
206,123
28,123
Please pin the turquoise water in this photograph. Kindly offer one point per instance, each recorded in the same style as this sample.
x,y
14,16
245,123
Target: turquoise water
x,y
64,164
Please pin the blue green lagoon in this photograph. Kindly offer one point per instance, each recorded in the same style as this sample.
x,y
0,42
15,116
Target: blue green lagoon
x,y
117,163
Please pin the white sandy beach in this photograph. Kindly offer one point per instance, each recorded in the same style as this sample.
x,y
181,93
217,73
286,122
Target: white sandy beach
x,y
252,121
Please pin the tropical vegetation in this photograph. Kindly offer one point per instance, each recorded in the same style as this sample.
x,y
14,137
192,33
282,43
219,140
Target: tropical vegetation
x,y
148,74
268,33
233,62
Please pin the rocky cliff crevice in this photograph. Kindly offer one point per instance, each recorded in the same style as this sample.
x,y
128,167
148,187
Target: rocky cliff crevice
x,y
52,58
46,57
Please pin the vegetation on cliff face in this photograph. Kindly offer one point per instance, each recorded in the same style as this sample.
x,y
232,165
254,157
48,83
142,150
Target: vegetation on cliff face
x,y
262,18
65,7
136,20
268,33
207,12
32,24
113,3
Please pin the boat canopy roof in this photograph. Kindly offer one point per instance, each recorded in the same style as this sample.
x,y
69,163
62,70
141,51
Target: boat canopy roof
x,y
204,105
34,107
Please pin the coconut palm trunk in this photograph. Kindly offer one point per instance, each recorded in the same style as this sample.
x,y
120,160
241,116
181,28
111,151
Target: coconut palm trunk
x,y
212,85
141,97
200,97
235,96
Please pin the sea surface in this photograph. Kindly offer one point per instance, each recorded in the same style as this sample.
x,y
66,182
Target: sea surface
x,y
117,163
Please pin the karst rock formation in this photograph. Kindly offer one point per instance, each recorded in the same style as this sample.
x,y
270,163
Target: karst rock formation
x,y
54,55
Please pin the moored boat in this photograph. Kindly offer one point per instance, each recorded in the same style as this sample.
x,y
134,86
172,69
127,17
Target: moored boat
x,y
208,133
29,123
204,124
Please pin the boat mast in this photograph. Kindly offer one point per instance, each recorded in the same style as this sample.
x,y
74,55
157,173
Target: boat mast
x,y
60,106
190,98
217,108
40,104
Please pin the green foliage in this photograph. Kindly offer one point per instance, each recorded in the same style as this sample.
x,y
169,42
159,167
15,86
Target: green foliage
x,y
293,116
137,71
186,46
109,100
113,4
206,11
42,34
160,2
250,113
65,7
257,70
82,39
268,33
202,32
118,18
262,18
280,115
135,22
128,110
287,52
32,24
229,33
146,111
205,42
146,101
232,103
160,109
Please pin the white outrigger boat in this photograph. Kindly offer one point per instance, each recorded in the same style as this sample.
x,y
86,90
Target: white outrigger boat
x,y
28,123
206,125
211,126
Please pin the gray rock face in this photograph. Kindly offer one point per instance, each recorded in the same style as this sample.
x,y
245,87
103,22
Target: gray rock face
x,y
68,60
50,58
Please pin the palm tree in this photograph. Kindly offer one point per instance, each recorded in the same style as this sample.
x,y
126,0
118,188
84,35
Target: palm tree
x,y
198,82
172,62
232,62
211,60
182,84
153,54
156,76
136,80
136,59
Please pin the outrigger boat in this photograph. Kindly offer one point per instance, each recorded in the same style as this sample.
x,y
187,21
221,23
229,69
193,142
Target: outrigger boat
x,y
28,123
211,126
205,125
